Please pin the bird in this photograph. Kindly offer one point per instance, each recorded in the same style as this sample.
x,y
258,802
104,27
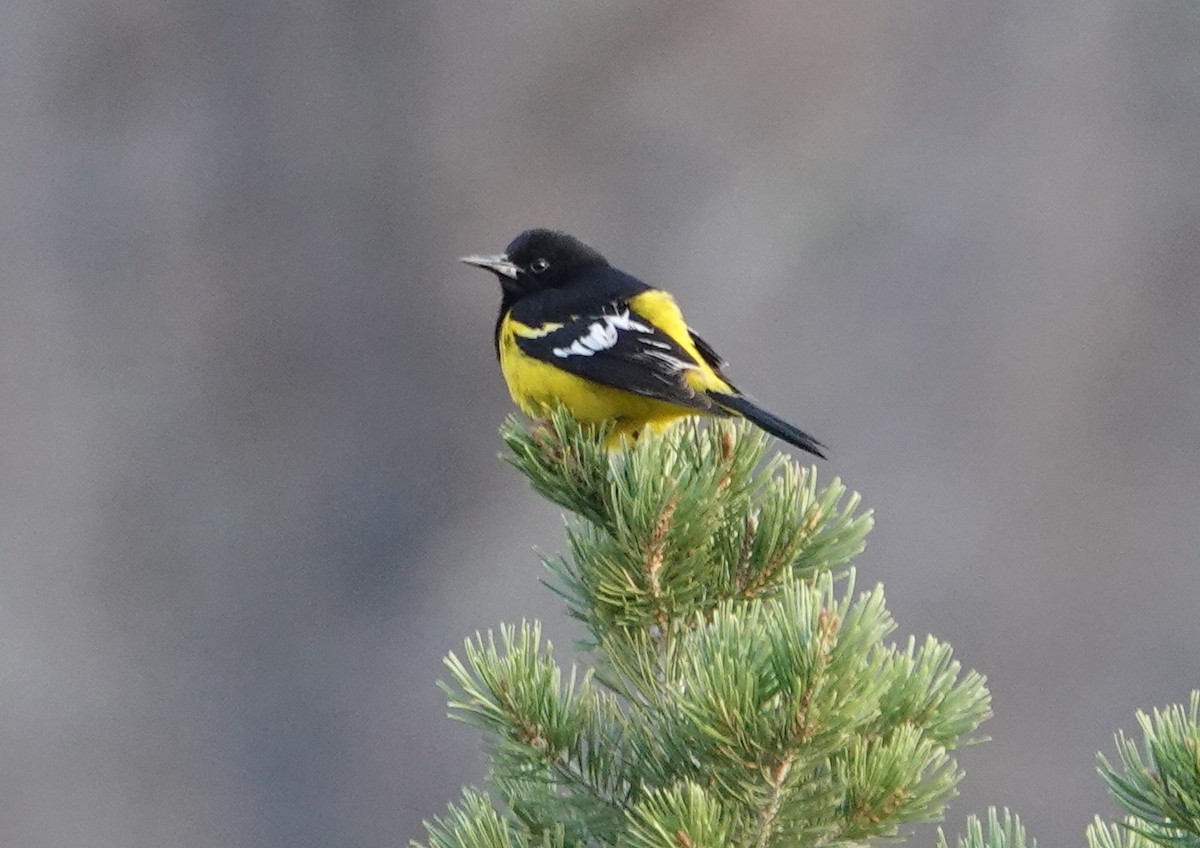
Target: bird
x,y
576,331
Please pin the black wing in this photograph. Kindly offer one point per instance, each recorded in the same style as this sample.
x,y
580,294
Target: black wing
x,y
706,350
710,356
617,347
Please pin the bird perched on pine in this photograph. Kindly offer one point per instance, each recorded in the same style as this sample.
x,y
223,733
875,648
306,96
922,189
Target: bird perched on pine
x,y
575,330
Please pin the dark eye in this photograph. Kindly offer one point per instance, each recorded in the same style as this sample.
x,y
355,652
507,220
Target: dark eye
x,y
537,266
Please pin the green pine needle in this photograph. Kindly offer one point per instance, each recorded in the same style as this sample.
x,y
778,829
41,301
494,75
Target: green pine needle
x,y
476,824
1001,832
743,693
1159,783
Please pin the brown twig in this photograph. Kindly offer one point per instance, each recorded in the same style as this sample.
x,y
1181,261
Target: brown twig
x,y
655,555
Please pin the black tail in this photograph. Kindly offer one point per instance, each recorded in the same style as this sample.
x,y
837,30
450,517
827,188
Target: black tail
x,y
777,427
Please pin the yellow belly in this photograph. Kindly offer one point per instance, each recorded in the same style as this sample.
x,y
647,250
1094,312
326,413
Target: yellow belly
x,y
536,385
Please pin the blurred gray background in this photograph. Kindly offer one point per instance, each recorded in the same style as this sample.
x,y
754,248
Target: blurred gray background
x,y
249,493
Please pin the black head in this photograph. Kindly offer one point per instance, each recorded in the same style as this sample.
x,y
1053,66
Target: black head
x,y
537,260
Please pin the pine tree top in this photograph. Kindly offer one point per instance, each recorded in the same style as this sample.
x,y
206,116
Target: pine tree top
x,y
740,691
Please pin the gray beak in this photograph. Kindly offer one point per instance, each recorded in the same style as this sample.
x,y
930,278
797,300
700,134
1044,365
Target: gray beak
x,y
498,263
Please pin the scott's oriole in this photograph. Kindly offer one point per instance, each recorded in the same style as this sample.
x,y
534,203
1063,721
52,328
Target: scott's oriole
x,y
575,330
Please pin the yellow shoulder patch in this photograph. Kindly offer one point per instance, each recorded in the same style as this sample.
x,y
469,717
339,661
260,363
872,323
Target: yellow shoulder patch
x,y
525,331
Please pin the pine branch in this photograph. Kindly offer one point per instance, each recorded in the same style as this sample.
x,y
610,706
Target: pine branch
x,y
1001,832
1161,791
1158,784
476,824
680,523
744,693
1120,835
684,816
555,745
